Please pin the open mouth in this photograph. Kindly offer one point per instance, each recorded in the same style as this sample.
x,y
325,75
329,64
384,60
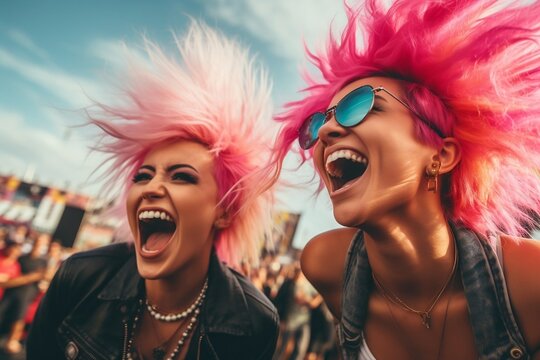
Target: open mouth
x,y
345,166
156,228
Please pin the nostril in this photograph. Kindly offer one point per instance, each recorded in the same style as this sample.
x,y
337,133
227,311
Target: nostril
x,y
334,134
151,195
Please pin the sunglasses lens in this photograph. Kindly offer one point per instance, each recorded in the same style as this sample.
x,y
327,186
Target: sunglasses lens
x,y
354,107
309,132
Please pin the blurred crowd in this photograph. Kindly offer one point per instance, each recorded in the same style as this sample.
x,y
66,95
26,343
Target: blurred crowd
x,y
29,260
306,325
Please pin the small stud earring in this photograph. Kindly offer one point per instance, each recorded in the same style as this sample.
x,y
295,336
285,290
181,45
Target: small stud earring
x,y
221,223
432,174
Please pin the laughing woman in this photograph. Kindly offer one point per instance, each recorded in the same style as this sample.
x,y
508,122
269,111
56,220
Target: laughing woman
x,y
190,145
426,135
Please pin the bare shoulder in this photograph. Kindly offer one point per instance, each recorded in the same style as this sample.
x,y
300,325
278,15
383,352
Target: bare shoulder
x,y
521,259
323,258
323,263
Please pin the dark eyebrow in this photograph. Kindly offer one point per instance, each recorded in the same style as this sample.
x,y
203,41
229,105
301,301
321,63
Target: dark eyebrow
x,y
179,166
169,169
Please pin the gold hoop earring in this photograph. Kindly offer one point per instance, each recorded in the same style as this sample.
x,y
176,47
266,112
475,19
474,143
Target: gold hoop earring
x,y
432,174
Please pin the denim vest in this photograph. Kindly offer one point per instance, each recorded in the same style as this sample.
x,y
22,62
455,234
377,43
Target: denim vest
x,y
496,333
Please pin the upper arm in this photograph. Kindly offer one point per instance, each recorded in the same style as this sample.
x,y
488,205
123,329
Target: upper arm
x,y
323,263
521,260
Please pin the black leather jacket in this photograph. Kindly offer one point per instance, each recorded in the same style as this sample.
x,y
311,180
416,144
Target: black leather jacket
x,y
88,310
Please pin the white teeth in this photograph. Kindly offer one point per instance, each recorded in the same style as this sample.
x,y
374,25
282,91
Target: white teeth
x,y
343,154
154,214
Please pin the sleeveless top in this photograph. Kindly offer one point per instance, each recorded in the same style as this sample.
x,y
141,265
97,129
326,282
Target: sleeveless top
x,y
496,333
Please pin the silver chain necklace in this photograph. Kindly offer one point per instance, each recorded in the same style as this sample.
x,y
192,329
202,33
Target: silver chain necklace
x,y
159,353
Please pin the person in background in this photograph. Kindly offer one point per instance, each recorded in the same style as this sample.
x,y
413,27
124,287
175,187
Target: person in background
x,y
188,147
3,238
19,233
9,263
321,337
54,260
21,291
424,126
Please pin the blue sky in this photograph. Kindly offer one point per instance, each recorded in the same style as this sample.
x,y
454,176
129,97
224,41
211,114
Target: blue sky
x,y
55,54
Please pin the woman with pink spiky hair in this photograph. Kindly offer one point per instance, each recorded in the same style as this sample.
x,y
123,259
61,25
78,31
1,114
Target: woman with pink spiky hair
x,y
188,147
425,132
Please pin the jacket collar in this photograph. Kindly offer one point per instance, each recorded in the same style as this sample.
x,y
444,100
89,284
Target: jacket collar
x,y
126,284
224,311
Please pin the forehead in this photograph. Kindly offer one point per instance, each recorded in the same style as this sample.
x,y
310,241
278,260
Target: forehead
x,y
393,85
180,152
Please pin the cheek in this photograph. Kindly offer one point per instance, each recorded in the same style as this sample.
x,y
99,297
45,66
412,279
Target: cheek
x,y
197,208
318,160
397,159
131,205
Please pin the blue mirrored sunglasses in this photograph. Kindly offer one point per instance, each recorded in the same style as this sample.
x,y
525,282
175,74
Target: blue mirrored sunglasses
x,y
349,111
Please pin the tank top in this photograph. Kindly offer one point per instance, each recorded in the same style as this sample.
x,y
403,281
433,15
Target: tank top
x,y
496,333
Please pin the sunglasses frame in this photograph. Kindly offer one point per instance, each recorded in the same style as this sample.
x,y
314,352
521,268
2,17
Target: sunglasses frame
x,y
332,111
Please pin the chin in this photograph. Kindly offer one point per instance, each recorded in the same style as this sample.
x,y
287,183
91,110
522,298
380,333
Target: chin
x,y
152,270
149,275
348,217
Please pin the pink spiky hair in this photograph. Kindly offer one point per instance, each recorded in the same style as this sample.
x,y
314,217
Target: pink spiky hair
x,y
216,95
472,68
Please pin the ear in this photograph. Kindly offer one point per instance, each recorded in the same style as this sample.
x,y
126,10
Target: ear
x,y
449,155
223,221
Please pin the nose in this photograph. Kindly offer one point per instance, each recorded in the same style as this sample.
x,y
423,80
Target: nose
x,y
154,189
331,130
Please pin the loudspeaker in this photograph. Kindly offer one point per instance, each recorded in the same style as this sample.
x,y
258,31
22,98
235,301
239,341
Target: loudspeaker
x,y
68,226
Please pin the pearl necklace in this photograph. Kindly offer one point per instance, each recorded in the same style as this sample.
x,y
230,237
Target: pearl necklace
x,y
196,311
153,310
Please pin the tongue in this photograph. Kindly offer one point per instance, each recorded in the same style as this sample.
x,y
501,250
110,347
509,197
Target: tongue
x,y
157,241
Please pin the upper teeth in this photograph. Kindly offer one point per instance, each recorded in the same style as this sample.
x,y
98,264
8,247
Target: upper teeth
x,y
154,214
345,154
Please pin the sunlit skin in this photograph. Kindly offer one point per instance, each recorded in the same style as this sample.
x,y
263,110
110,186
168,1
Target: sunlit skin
x,y
177,178
393,181
409,244
389,201
404,224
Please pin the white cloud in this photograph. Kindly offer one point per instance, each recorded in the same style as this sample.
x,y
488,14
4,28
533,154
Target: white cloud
x,y
58,118
72,90
283,24
116,54
111,51
22,145
26,42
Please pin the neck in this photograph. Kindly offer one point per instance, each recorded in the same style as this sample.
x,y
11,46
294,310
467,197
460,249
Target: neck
x,y
411,255
178,291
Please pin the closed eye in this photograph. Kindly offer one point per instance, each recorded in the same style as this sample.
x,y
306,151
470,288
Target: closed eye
x,y
376,108
142,176
185,177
